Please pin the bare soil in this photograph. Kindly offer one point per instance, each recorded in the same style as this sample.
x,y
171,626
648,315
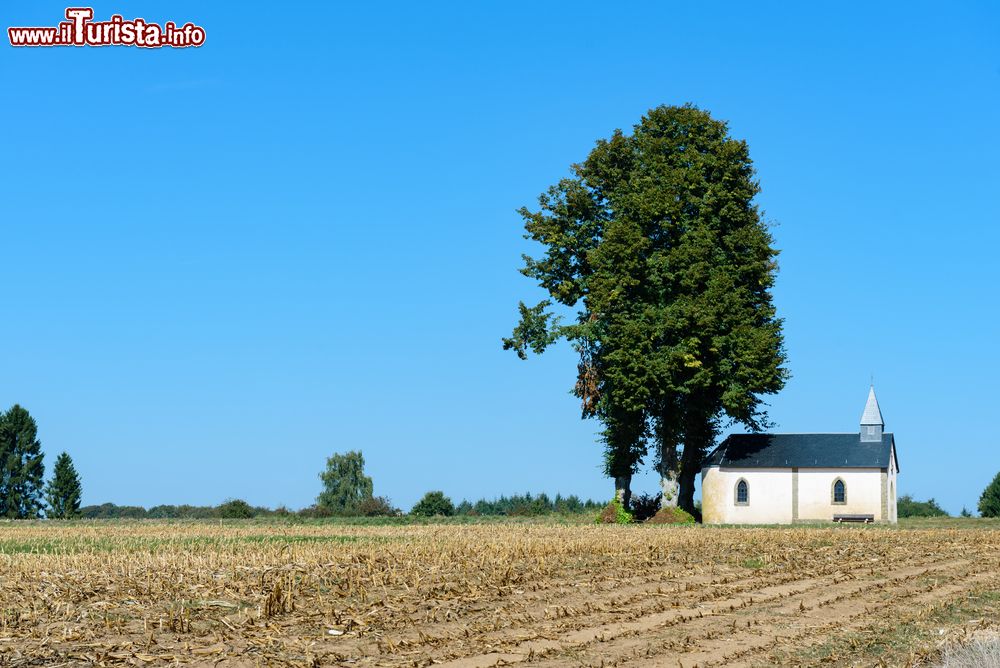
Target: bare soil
x,y
151,594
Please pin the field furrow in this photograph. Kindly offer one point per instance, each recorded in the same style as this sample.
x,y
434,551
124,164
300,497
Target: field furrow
x,y
472,596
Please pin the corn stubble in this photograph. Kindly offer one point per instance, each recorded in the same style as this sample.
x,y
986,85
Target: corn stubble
x,y
149,594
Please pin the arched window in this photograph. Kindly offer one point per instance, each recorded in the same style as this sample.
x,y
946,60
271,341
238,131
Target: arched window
x,y
839,491
742,493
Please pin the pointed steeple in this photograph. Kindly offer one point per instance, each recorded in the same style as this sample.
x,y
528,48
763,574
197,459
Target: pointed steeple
x,y
871,419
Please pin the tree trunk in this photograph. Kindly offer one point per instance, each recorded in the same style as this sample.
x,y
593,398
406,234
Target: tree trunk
x,y
623,491
669,470
699,434
690,466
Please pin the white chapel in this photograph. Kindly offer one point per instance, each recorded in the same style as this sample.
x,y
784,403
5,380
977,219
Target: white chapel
x,y
789,478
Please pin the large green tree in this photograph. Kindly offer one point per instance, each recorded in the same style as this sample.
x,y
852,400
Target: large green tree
x,y
21,467
62,494
345,484
657,244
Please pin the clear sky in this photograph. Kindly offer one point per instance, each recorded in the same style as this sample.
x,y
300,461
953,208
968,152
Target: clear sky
x,y
220,265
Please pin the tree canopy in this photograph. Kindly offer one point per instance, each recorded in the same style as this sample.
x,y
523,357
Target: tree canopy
x,y
345,484
434,503
656,243
235,509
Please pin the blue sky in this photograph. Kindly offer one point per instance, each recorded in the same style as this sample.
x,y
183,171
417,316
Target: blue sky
x,y
220,265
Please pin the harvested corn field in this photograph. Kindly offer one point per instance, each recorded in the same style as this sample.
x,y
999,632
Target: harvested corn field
x,y
150,594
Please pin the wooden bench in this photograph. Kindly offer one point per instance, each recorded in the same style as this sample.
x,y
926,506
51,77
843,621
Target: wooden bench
x,y
854,518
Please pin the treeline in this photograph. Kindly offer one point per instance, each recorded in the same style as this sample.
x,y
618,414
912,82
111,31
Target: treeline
x,y
526,505
347,491
230,509
907,506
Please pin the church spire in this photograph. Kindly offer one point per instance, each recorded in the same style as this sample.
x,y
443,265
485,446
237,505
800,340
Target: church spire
x,y
871,419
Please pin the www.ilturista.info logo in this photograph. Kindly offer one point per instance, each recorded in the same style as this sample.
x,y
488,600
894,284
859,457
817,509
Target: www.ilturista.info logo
x,y
81,30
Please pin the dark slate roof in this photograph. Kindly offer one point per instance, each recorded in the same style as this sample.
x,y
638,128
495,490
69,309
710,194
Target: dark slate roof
x,y
802,451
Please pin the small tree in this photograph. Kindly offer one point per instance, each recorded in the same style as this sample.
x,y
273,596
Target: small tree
x,y
63,492
434,503
236,509
965,512
21,467
345,484
989,502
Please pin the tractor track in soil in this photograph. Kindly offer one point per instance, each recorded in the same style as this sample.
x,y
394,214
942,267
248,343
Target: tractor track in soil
x,y
580,603
793,625
704,610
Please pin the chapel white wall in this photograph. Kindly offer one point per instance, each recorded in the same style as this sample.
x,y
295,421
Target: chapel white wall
x,y
770,496
771,499
863,487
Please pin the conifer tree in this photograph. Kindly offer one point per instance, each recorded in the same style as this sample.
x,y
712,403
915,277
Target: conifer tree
x,y
63,492
21,467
